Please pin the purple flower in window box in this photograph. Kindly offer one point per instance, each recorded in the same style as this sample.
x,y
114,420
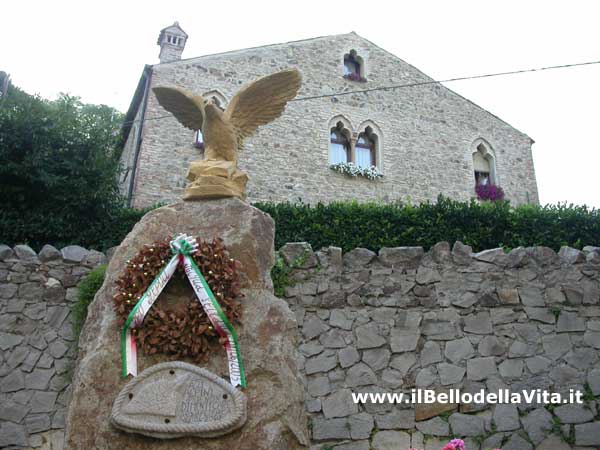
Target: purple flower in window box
x,y
353,76
490,192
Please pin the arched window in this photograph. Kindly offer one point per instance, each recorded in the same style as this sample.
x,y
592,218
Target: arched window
x,y
339,147
217,98
217,103
354,67
484,165
365,149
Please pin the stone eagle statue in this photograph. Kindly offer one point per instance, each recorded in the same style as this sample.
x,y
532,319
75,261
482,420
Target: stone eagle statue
x,y
256,104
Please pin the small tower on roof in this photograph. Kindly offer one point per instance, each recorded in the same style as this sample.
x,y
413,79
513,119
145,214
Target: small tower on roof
x,y
172,41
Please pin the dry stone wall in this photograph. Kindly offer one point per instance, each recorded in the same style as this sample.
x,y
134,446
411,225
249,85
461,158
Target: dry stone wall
x,y
37,348
386,322
404,319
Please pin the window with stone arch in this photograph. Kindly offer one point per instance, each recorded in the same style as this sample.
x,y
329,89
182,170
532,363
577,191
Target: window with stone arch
x,y
339,144
366,148
484,164
354,67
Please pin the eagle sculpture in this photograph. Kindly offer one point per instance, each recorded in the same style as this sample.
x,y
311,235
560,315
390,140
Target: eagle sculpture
x,y
256,104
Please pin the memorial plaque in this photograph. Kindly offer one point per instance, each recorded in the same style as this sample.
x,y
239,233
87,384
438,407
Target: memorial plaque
x,y
176,399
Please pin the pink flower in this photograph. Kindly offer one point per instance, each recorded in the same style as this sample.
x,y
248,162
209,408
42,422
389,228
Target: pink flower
x,y
458,444
449,447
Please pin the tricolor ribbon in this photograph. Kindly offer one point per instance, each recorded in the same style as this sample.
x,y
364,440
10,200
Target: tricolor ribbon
x,y
183,247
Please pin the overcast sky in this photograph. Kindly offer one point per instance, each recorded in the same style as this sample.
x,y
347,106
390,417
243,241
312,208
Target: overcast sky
x,y
97,50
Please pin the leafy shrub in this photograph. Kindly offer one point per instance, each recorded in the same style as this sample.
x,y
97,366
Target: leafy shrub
x,y
86,290
481,225
59,163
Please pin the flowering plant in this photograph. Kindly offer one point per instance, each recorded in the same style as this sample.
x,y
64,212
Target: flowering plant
x,y
354,77
352,170
489,192
454,444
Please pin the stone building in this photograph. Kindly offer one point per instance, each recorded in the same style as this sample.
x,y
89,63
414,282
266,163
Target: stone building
x,y
423,138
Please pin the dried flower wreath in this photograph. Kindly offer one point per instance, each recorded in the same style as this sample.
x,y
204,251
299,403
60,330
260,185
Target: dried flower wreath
x,y
181,330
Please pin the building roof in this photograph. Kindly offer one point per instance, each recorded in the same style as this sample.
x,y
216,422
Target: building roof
x,y
137,99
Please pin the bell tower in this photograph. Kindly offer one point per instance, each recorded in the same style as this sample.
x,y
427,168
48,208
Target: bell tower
x,y
172,41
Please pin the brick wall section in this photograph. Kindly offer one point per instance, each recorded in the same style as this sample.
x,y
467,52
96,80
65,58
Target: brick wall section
x,y
427,132
37,350
447,319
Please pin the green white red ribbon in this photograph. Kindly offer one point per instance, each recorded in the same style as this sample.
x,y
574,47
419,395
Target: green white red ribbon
x,y
183,247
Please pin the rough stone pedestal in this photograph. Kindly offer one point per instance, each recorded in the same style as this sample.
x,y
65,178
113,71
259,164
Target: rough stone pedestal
x,y
267,336
215,179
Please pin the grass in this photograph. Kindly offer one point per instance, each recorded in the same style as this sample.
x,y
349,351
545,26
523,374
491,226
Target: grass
x,y
86,290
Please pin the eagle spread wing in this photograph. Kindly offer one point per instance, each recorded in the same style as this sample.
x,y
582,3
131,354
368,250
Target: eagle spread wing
x,y
261,101
186,107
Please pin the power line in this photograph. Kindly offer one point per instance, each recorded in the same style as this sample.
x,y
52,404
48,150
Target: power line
x,y
417,83
448,80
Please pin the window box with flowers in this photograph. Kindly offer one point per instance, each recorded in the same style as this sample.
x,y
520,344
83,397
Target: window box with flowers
x,y
352,170
355,77
491,192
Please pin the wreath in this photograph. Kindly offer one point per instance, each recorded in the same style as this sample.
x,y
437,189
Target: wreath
x,y
183,329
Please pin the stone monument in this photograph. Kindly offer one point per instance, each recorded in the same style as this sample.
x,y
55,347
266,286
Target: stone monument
x,y
174,404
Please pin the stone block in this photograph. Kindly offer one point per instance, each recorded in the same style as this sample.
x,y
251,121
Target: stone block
x,y
390,440
339,404
450,374
401,256
49,253
324,429
74,253
434,427
402,340
466,425
24,252
357,258
569,322
430,353
538,424
506,417
587,434
6,252
321,363
12,434
570,255
299,254
361,426
360,375
371,335
479,323
348,357
376,358
481,368
572,413
12,382
397,419
458,350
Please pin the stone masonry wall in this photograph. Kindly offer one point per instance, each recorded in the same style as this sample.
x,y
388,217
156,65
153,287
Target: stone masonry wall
x,y
404,319
427,132
369,323
37,350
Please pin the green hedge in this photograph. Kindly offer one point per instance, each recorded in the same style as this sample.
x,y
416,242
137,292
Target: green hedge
x,y
45,226
347,225
480,225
